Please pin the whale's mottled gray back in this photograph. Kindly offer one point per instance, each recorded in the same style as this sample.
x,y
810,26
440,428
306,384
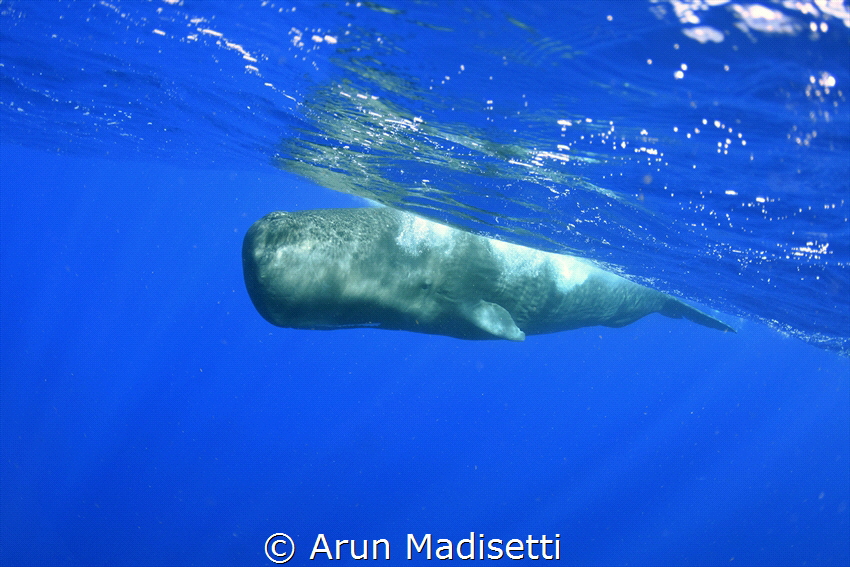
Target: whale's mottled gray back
x,y
380,267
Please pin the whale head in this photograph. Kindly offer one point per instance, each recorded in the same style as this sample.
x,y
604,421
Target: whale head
x,y
321,271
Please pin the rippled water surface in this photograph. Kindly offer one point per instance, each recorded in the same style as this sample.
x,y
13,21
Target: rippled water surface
x,y
700,147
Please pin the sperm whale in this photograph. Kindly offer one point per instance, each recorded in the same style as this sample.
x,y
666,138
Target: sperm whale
x,y
385,268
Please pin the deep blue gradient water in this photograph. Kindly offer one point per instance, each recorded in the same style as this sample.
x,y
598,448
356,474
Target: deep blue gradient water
x,y
149,416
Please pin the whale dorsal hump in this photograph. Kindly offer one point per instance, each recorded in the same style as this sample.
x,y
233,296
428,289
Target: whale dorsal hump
x,y
494,319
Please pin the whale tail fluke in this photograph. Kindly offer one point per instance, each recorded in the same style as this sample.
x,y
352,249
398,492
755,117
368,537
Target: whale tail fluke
x,y
678,310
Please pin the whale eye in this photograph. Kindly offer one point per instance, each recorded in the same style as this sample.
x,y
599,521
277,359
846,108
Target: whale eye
x,y
426,284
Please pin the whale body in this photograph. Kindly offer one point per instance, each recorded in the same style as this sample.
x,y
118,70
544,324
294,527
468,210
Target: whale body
x,y
381,267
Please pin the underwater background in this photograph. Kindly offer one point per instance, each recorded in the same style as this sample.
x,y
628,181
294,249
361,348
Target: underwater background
x,y
149,415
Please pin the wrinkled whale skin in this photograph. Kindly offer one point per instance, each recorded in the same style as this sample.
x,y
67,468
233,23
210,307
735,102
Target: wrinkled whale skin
x,y
381,267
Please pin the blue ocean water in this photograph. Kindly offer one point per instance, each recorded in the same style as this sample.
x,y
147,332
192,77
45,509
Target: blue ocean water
x,y
149,416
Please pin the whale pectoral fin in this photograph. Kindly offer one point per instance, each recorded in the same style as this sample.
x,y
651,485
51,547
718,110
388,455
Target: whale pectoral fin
x,y
495,320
